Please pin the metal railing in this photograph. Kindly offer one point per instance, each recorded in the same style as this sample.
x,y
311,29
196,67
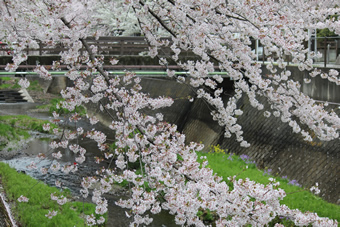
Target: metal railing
x,y
111,45
329,47
111,73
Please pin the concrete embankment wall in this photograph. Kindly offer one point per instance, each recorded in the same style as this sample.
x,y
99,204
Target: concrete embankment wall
x,y
319,88
274,145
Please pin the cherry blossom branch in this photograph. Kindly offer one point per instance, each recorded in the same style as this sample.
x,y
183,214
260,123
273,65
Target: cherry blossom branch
x,y
159,20
5,3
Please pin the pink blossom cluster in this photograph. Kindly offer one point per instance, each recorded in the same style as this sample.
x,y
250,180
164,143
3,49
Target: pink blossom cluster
x,y
315,188
57,155
43,72
91,220
17,60
60,200
46,127
23,199
51,214
93,120
24,83
55,167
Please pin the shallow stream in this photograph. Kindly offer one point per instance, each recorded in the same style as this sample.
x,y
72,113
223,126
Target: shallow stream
x,y
40,144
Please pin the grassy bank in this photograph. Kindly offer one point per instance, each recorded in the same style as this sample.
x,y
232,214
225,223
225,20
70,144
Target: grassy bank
x,y
12,83
24,122
226,165
33,212
9,83
51,107
15,128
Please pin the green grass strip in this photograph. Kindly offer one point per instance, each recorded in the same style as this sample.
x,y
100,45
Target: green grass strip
x,y
6,78
58,101
15,128
20,122
12,133
12,83
33,212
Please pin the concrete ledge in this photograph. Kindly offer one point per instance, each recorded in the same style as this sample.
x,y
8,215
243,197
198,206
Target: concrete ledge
x,y
25,95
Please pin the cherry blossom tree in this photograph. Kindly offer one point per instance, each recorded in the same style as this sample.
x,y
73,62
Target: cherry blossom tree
x,y
115,20
219,33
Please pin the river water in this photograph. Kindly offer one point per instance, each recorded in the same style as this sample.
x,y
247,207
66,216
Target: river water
x,y
40,144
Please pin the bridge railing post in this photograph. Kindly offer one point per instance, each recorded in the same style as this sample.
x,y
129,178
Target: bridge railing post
x,y
325,53
40,48
121,42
